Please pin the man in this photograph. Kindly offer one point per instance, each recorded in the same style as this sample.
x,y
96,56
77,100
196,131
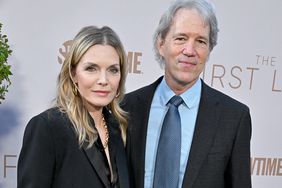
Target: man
x,y
215,129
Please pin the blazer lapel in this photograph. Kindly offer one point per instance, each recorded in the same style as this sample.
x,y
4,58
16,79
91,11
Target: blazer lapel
x,y
205,129
96,159
117,154
118,157
117,151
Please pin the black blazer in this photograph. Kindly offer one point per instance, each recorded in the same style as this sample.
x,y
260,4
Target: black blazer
x,y
220,151
51,157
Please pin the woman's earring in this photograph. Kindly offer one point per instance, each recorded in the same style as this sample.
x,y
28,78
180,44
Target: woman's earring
x,y
117,95
75,89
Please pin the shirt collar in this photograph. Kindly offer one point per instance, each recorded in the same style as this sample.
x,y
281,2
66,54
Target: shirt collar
x,y
191,97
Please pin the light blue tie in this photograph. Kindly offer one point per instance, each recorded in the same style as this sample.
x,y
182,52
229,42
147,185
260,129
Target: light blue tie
x,y
168,155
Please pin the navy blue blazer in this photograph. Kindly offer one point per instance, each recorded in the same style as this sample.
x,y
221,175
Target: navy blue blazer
x,y
220,151
51,157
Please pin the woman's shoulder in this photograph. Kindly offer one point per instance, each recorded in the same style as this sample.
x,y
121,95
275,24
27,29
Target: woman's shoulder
x,y
51,114
50,117
52,123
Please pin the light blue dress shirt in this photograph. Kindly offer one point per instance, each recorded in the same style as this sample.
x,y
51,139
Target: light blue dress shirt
x,y
188,113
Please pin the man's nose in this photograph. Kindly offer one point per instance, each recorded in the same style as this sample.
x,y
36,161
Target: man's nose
x,y
189,48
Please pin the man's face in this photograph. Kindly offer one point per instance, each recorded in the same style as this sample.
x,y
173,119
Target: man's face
x,y
185,49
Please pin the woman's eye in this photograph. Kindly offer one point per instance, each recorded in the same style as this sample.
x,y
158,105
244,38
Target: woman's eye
x,y
91,68
114,70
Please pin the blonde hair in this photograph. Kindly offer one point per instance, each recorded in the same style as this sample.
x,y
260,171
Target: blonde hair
x,y
71,103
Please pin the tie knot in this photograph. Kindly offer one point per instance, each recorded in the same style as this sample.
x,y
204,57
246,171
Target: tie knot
x,y
176,100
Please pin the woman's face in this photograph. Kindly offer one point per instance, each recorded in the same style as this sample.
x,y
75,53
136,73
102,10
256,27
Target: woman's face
x,y
97,76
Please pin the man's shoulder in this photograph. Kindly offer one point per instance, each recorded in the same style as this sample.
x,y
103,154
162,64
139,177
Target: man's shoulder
x,y
145,90
139,91
222,98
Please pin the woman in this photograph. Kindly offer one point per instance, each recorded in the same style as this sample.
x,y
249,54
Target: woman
x,y
79,143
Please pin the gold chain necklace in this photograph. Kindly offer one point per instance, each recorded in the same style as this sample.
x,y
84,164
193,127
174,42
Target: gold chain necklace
x,y
105,144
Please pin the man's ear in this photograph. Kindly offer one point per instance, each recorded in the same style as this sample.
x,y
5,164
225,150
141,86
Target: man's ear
x,y
160,44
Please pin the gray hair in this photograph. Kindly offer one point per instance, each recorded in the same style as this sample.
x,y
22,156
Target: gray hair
x,y
204,8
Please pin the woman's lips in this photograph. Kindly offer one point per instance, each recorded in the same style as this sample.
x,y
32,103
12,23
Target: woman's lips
x,y
101,92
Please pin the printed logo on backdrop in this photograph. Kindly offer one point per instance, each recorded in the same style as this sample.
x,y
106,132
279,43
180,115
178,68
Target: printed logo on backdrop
x,y
133,58
238,77
64,51
134,62
9,121
266,166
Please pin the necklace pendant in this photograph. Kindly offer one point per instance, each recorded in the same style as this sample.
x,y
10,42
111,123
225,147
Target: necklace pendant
x,y
106,143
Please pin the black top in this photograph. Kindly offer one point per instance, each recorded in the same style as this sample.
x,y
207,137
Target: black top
x,y
51,157
99,147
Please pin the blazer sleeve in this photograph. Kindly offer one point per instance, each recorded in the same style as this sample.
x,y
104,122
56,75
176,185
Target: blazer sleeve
x,y
37,156
239,173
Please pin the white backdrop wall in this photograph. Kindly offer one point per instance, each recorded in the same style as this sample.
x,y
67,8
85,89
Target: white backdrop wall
x,y
246,64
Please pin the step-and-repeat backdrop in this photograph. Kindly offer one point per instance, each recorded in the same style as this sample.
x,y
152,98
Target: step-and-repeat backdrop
x,y
246,64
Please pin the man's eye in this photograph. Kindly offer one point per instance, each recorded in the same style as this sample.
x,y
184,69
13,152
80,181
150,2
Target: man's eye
x,y
202,42
180,39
